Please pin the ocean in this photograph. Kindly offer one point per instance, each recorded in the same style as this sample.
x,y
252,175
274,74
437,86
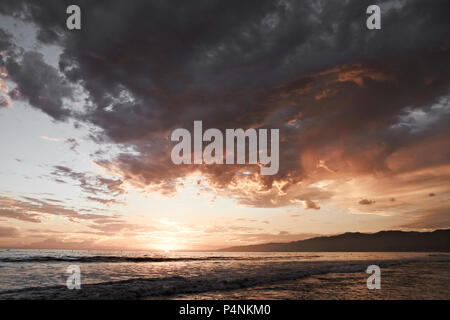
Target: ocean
x,y
42,274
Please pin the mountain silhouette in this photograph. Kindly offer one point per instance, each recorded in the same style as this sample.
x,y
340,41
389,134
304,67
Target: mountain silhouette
x,y
383,241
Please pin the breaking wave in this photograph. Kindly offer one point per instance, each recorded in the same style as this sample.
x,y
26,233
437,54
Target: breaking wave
x,y
122,259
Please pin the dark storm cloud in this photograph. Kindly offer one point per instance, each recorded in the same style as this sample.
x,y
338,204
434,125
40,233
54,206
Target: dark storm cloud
x,y
336,90
6,42
40,83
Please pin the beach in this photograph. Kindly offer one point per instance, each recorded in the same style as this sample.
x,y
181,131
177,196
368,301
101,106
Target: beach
x,y
41,274
412,281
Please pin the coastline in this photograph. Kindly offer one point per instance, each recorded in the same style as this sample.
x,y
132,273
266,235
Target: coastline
x,y
408,279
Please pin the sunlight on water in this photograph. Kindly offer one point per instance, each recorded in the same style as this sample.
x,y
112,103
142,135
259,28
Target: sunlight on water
x,y
173,272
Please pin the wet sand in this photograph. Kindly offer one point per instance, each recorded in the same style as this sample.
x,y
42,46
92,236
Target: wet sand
x,y
419,280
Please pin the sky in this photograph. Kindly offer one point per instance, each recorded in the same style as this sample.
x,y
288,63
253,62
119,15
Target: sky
x,y
86,117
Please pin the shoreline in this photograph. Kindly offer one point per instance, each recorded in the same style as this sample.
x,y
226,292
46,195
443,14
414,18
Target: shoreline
x,y
409,281
348,284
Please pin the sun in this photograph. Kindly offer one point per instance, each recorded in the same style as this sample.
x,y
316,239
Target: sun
x,y
166,245
166,248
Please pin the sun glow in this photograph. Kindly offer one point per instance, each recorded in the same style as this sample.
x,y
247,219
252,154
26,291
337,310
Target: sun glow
x,y
166,245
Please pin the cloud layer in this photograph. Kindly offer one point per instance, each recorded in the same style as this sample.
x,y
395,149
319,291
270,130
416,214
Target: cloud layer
x,y
350,103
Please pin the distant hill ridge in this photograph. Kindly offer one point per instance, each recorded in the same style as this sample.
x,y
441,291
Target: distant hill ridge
x,y
383,241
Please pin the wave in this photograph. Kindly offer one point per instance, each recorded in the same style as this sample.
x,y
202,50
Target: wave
x,y
141,288
109,259
122,259
439,255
